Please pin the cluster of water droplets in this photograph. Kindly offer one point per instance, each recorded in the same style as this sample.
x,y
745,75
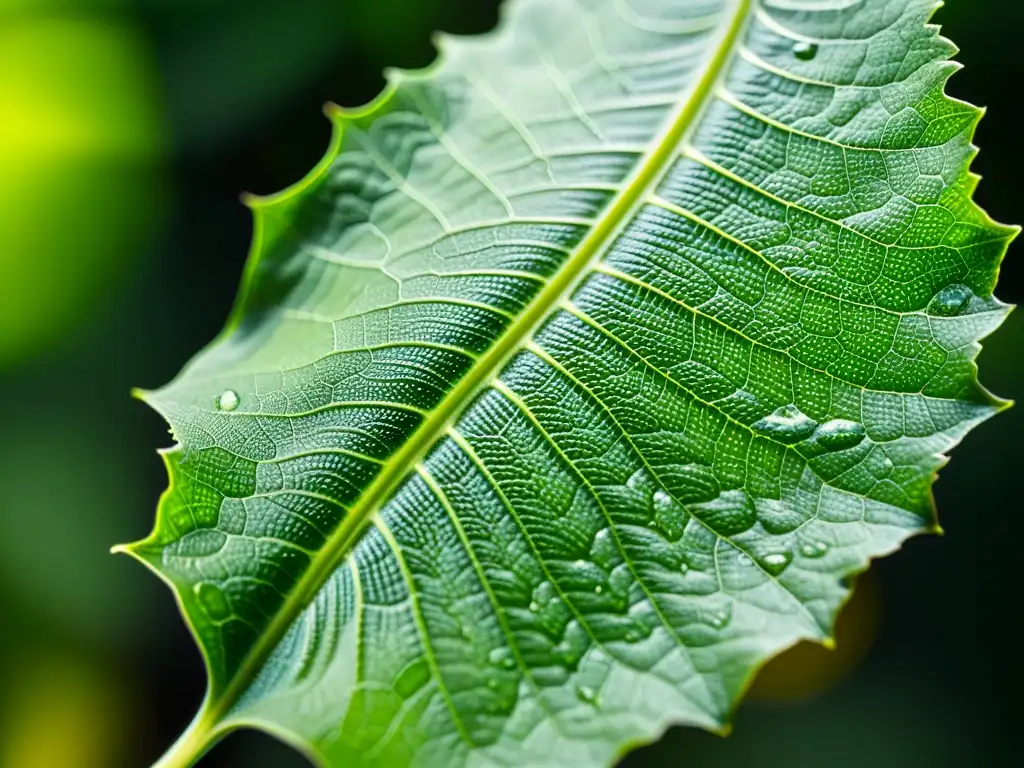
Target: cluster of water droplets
x,y
789,425
721,618
502,657
814,549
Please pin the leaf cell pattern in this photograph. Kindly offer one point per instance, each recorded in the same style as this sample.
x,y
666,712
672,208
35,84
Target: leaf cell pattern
x,y
578,380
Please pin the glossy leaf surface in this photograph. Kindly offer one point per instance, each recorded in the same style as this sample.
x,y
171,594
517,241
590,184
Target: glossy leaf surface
x,y
578,380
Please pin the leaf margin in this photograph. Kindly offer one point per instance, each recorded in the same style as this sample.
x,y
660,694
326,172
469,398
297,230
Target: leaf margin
x,y
209,726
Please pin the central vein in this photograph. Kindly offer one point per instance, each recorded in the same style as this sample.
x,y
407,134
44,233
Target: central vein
x,y
618,214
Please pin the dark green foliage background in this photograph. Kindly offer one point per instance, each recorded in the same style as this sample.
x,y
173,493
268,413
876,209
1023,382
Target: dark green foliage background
x,y
241,85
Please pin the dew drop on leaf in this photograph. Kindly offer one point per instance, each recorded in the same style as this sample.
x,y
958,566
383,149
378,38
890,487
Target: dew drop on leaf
x,y
604,551
885,466
805,50
951,301
543,593
587,694
670,517
839,434
501,657
228,400
787,424
776,562
213,601
814,549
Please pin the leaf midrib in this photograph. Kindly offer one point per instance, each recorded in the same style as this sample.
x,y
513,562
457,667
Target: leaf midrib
x,y
395,470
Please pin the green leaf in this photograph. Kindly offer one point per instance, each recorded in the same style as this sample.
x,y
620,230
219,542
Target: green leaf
x,y
578,380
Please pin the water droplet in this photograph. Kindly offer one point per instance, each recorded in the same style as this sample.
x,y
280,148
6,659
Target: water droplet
x,y
501,657
493,684
543,593
632,636
598,589
213,601
587,694
787,424
228,400
744,560
805,50
620,579
839,434
535,606
951,301
776,561
574,644
721,617
604,551
683,567
670,517
813,549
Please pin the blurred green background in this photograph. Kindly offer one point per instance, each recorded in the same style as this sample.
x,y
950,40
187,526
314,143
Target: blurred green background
x,y
127,130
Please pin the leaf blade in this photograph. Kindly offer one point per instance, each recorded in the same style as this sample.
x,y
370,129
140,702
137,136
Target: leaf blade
x,y
750,300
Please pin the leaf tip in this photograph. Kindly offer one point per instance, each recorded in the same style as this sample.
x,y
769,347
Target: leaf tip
x,y
724,730
140,394
250,200
135,550
121,549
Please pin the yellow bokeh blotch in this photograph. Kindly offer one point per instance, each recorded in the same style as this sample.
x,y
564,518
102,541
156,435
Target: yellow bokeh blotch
x,y
80,145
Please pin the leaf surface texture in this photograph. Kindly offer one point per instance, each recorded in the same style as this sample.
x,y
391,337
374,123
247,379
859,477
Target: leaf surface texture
x,y
578,379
